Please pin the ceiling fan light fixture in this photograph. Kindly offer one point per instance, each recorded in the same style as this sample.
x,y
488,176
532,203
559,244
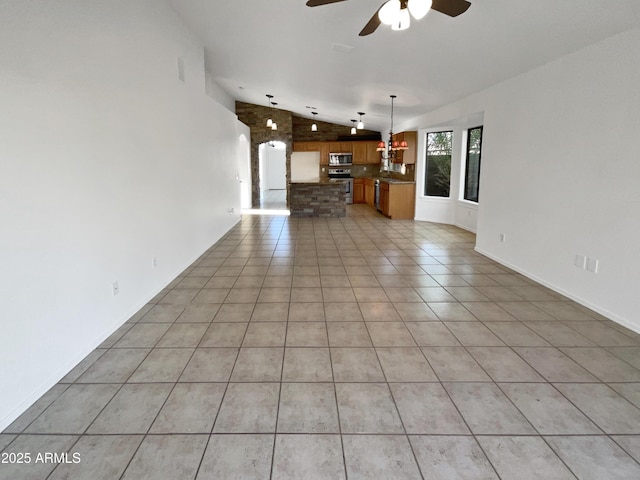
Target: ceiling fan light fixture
x,y
404,20
419,8
389,13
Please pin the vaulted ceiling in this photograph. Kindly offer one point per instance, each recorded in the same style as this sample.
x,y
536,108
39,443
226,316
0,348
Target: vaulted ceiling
x,y
314,56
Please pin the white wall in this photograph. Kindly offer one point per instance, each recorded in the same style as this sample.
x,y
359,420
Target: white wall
x,y
244,159
560,173
107,160
275,166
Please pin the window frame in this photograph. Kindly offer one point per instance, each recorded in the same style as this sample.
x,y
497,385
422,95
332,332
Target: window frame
x,y
426,164
466,166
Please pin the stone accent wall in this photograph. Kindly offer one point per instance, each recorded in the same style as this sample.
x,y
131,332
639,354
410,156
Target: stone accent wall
x,y
255,117
290,128
318,200
327,132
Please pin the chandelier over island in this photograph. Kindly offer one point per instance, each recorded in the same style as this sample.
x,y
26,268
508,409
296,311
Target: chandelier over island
x,y
389,151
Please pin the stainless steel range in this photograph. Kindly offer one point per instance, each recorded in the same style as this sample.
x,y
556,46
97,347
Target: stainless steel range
x,y
343,174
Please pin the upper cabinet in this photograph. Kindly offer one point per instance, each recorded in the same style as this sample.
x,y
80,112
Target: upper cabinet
x,y
340,147
322,147
364,152
373,155
359,153
408,156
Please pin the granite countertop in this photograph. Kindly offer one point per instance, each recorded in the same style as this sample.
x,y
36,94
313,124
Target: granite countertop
x,y
390,180
321,182
393,180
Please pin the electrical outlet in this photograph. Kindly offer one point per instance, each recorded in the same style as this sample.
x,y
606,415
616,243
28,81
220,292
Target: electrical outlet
x,y
580,261
231,211
115,288
592,265
503,238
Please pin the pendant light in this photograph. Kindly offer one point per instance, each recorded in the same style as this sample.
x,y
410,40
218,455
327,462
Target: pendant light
x,y
274,125
353,128
269,121
389,151
360,123
314,126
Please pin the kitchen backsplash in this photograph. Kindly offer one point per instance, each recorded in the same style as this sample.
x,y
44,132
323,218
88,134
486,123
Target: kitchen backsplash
x,y
373,170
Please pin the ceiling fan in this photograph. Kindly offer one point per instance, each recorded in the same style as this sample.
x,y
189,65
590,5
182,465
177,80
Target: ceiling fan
x,y
397,13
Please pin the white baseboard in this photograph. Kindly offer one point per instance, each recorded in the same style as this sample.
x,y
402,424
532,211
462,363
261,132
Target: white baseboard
x,y
586,303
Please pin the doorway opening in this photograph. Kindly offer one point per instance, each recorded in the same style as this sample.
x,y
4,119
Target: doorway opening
x,y
273,175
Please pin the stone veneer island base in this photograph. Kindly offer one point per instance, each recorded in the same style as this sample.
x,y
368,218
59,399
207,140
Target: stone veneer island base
x,y
317,199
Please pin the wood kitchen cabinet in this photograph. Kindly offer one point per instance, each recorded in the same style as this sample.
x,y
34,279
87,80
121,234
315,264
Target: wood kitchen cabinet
x,y
372,154
369,192
307,146
322,147
340,147
364,152
384,198
359,150
358,190
324,153
397,200
408,156
313,146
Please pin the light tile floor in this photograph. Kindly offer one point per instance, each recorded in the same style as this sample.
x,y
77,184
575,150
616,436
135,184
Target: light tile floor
x,y
357,348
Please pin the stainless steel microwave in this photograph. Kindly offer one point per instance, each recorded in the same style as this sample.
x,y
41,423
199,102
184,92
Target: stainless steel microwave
x,y
340,158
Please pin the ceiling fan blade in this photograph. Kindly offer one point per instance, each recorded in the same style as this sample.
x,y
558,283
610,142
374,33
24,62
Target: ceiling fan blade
x,y
317,3
374,23
453,8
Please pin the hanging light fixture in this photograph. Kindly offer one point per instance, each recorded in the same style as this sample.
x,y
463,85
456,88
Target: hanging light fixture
x,y
398,13
269,121
389,151
353,128
404,20
360,123
274,125
314,126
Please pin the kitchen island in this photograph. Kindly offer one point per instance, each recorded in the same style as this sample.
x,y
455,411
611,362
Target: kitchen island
x,y
323,198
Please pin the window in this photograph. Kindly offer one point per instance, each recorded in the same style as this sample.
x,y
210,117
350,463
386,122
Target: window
x,y
472,171
438,164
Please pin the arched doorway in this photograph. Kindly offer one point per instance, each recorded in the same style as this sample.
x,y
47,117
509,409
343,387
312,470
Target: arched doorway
x,y
272,158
